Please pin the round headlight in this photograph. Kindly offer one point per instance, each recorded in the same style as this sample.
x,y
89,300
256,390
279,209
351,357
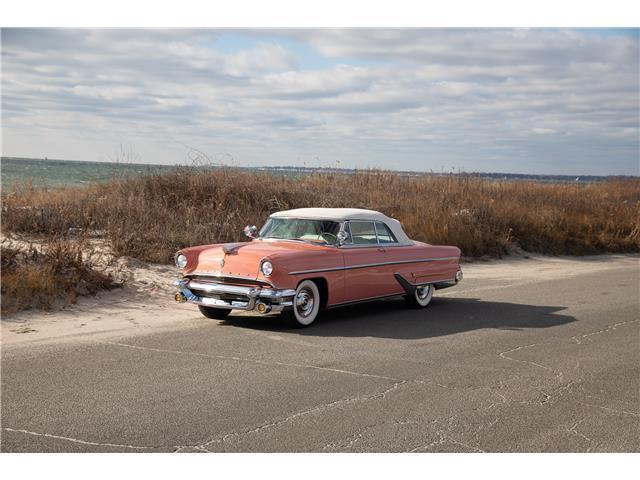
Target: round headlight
x,y
267,268
181,261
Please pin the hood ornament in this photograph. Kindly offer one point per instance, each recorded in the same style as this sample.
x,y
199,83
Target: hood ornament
x,y
221,262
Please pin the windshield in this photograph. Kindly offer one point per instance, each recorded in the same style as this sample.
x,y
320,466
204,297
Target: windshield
x,y
316,231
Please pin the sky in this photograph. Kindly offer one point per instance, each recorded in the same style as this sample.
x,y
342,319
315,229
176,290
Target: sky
x,y
543,101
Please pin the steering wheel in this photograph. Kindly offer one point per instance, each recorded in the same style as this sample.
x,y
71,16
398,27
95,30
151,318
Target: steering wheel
x,y
332,238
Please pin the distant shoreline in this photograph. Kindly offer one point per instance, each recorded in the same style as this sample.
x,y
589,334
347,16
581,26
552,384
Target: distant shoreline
x,y
92,171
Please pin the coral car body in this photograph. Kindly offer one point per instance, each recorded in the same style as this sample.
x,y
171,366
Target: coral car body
x,y
306,259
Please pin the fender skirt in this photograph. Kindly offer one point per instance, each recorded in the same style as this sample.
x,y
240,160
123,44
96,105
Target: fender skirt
x,y
408,287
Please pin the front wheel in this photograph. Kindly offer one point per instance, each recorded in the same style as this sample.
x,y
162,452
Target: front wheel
x,y
306,305
421,296
212,312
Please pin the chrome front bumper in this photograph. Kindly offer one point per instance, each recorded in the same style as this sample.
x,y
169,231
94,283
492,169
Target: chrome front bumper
x,y
238,297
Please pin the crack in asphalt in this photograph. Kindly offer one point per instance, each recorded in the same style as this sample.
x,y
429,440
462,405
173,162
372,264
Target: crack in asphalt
x,y
319,408
276,423
253,360
574,431
578,338
444,438
445,435
575,338
559,373
521,347
180,448
76,440
349,441
609,409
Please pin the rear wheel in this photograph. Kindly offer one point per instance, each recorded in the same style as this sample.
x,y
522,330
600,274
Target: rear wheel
x,y
306,305
421,296
212,312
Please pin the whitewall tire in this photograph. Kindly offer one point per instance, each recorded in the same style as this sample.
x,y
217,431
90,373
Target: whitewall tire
x,y
421,296
306,305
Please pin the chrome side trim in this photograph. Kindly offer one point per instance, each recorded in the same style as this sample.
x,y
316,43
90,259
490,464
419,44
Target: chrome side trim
x,y
332,269
419,284
363,300
366,265
372,245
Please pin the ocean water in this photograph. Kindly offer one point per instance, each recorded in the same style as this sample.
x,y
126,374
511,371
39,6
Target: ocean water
x,y
57,173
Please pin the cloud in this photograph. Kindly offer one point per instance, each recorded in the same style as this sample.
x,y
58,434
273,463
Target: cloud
x,y
485,99
484,47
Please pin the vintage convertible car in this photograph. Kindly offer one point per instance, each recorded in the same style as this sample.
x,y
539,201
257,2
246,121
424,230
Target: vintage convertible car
x,y
307,259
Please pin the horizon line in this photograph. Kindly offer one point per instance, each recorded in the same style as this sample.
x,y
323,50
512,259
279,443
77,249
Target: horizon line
x,y
459,171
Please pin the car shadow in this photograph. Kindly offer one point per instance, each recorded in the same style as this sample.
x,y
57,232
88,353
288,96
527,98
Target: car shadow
x,y
393,319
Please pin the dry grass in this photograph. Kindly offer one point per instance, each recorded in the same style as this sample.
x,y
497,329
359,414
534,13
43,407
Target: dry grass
x,y
54,275
150,217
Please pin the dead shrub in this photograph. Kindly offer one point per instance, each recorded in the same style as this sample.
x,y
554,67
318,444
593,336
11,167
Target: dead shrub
x,y
54,275
150,217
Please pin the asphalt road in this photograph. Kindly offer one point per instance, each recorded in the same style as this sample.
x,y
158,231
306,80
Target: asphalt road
x,y
532,365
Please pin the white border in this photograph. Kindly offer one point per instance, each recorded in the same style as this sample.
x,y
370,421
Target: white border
x,y
319,466
325,13
328,13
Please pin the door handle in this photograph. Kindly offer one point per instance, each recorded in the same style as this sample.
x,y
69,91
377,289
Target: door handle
x,y
382,249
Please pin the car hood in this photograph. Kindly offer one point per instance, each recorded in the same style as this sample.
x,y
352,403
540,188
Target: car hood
x,y
242,259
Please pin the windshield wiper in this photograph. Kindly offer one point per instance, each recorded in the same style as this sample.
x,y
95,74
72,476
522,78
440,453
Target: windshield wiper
x,y
286,238
312,242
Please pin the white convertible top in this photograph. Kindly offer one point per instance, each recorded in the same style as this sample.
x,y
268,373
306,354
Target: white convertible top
x,y
343,214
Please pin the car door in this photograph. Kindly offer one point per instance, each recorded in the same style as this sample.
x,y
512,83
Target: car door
x,y
395,257
364,259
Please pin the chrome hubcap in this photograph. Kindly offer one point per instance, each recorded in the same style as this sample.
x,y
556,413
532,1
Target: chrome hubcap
x,y
423,292
304,302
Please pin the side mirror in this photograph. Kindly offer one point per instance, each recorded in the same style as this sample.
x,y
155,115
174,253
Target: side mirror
x,y
341,238
250,231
